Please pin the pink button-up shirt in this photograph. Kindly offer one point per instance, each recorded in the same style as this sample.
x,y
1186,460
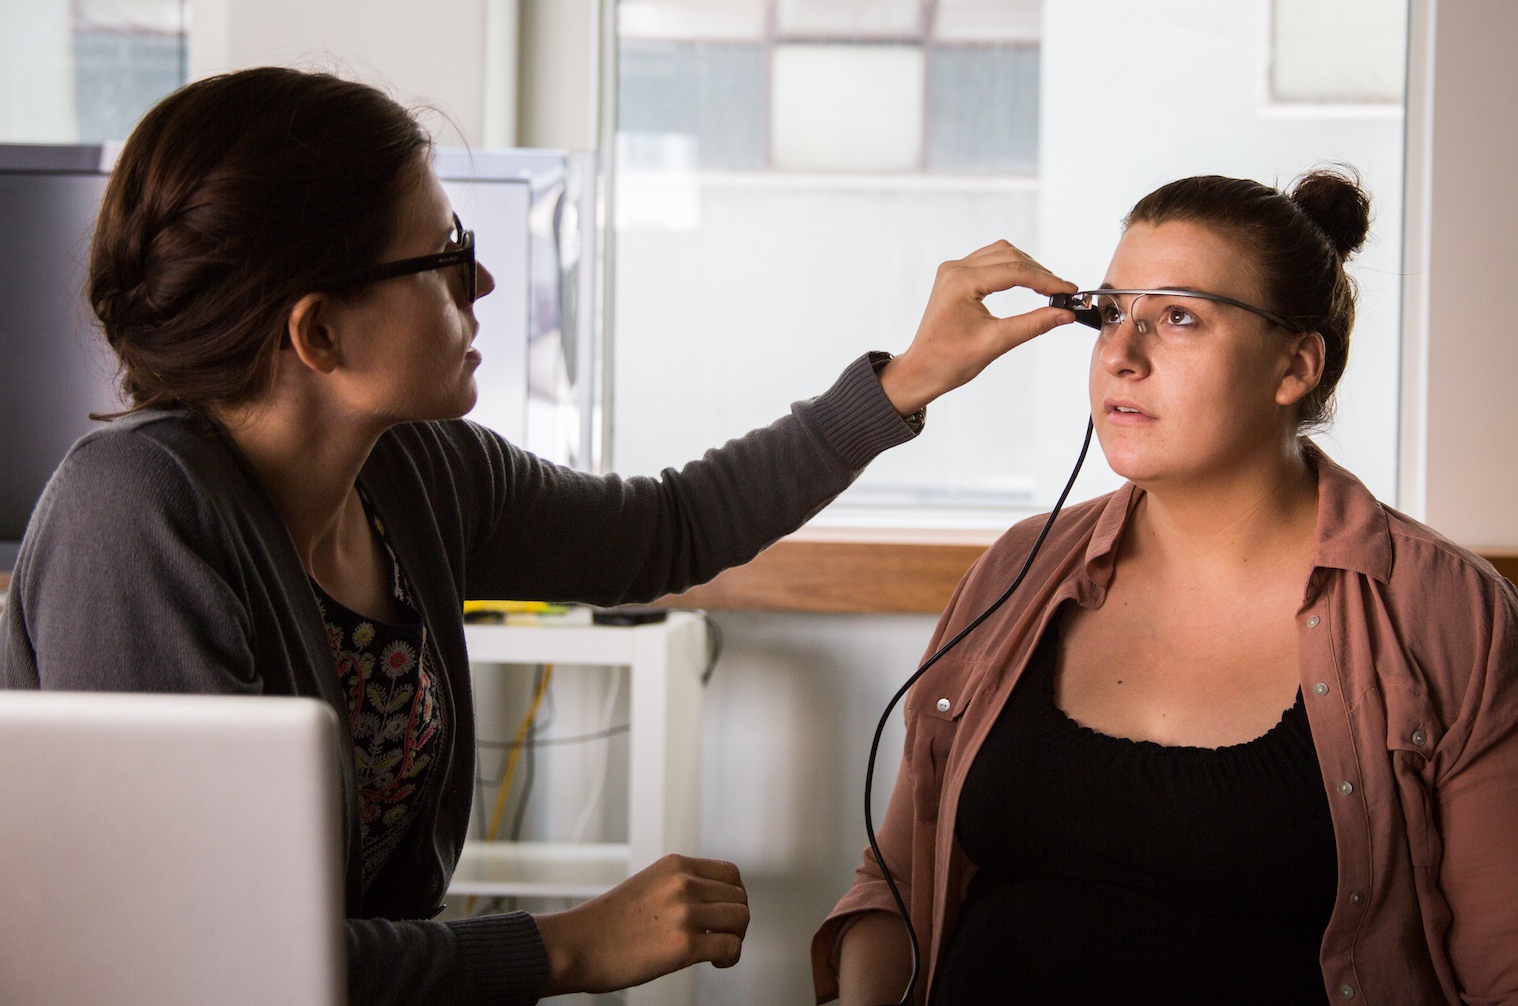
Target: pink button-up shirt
x,y
1408,649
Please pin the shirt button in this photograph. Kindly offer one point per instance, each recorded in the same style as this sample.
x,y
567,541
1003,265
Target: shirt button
x,y
943,705
1312,623
1420,738
1346,992
1346,787
1320,689
1356,898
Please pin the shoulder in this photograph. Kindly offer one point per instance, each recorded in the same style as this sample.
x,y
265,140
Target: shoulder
x,y
1079,547
159,460
1444,576
441,448
1074,531
1413,564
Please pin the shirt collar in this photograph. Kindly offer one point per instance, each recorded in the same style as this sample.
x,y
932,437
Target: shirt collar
x,y
1353,532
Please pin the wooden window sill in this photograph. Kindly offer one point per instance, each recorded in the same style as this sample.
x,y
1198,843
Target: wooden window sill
x,y
905,577
804,574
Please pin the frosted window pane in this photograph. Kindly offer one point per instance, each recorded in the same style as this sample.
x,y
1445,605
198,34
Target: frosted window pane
x,y
1339,50
719,328
713,91
987,20
983,108
165,17
849,18
847,107
705,20
119,75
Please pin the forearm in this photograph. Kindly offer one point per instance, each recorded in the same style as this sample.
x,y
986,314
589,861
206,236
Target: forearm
x,y
874,961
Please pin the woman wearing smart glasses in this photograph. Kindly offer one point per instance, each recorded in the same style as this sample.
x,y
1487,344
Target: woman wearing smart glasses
x,y
1242,734
290,506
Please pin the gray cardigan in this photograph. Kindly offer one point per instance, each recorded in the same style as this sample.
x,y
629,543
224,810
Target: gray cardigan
x,y
155,561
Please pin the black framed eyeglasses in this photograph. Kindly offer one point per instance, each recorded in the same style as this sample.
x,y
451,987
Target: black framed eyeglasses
x,y
1088,309
461,257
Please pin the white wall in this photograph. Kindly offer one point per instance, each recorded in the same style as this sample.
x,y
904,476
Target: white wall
x,y
1460,421
37,72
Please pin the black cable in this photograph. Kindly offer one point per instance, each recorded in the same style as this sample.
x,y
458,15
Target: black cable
x,y
869,819
543,742
713,646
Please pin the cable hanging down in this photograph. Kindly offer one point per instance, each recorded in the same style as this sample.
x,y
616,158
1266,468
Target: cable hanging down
x,y
869,819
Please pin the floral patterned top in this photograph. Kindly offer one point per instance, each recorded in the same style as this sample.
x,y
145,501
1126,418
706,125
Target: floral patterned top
x,y
396,711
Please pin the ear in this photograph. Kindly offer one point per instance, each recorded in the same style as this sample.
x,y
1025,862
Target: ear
x,y
312,334
1303,367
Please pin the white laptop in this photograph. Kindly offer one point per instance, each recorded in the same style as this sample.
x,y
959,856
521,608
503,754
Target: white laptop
x,y
168,850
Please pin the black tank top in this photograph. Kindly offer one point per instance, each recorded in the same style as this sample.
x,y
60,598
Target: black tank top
x,y
1120,871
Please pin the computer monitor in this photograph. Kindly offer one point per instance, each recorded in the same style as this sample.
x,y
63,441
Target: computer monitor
x,y
55,369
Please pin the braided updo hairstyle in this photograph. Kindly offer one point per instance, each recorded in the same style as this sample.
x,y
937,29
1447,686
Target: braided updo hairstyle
x,y
1298,240
234,197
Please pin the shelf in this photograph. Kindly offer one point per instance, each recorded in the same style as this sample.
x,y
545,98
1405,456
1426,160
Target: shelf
x,y
539,869
611,645
664,661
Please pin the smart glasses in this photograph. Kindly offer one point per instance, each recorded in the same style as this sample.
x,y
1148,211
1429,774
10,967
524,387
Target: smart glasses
x,y
461,256
1099,308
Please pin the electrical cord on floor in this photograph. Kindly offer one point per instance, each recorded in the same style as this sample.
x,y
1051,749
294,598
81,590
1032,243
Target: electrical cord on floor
x,y
869,819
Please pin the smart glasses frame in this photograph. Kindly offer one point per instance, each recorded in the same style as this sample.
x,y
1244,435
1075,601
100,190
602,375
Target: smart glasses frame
x,y
1083,304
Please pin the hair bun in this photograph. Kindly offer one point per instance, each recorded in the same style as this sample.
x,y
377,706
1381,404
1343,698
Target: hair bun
x,y
1333,199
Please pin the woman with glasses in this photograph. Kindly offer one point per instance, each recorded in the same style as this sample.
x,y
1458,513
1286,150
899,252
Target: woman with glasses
x,y
291,505
1242,734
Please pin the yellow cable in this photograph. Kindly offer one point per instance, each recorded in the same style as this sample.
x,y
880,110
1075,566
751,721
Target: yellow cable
x,y
511,767
516,750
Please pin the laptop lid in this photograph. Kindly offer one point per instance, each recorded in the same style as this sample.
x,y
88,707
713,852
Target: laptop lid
x,y
169,849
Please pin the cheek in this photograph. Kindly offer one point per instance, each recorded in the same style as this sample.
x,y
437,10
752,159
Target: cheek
x,y
1095,373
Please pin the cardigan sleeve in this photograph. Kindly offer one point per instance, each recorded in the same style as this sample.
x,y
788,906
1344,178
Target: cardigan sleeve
x,y
497,960
536,530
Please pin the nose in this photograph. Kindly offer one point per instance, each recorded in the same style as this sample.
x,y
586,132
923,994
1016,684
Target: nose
x,y
1121,350
484,281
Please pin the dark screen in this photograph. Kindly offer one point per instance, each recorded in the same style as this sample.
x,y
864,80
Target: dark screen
x,y
55,368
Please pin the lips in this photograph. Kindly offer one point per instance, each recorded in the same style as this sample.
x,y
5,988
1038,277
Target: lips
x,y
1123,407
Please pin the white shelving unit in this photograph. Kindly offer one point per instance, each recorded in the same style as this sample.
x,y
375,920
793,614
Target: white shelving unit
x,y
665,661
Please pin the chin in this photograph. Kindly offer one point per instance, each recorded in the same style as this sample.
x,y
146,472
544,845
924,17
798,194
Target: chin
x,y
1137,466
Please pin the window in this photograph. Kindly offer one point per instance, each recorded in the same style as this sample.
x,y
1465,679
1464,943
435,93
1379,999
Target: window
x,y
1338,51
84,71
790,173
834,86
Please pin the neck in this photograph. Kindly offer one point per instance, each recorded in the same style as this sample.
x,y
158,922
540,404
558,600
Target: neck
x,y
308,458
1233,524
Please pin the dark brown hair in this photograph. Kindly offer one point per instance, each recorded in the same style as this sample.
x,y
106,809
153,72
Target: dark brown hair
x,y
1298,241
234,197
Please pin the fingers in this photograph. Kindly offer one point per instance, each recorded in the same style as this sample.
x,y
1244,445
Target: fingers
x,y
958,336
1001,266
722,949
1018,329
712,869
